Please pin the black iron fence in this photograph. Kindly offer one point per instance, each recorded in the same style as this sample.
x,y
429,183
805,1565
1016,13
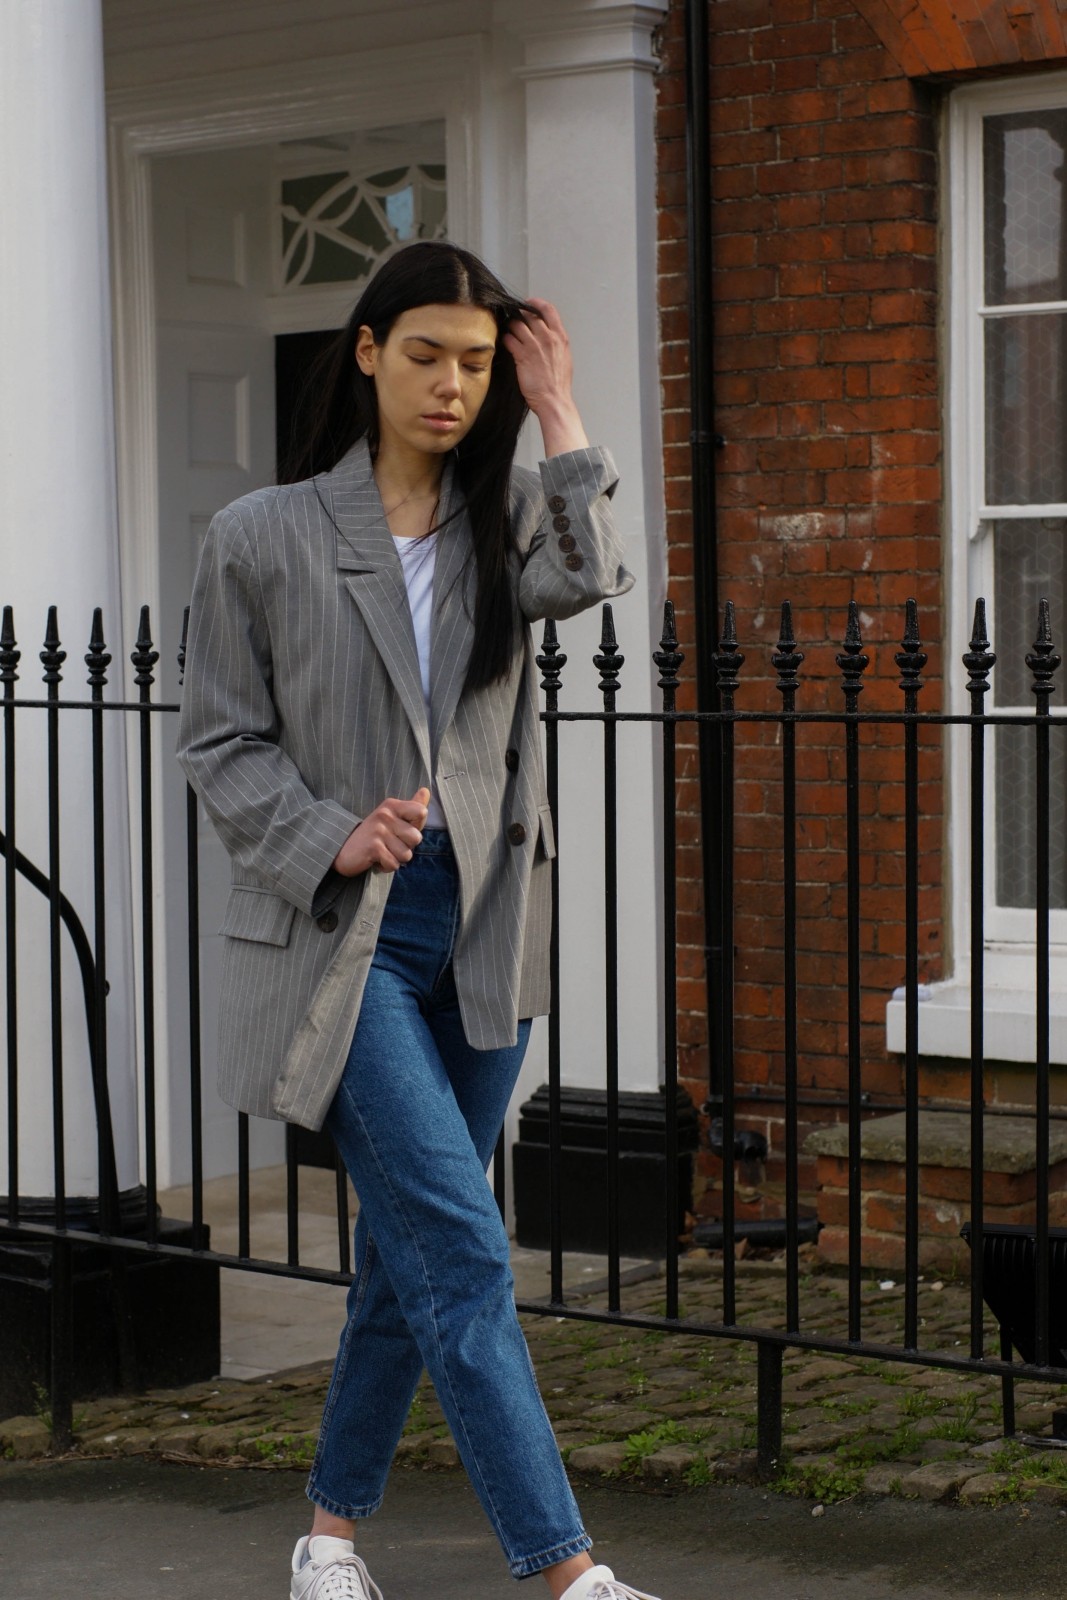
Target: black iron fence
x,y
126,1223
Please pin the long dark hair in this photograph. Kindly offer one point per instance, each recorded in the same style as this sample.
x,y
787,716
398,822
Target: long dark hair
x,y
339,404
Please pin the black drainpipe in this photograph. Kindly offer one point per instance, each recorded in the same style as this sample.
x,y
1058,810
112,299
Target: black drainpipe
x,y
703,442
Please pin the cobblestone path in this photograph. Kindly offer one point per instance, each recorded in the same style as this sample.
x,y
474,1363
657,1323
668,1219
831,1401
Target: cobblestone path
x,y
666,1407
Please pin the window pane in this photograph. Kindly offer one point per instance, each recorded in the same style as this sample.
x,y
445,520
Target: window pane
x,y
1025,410
1025,259
1016,772
1030,564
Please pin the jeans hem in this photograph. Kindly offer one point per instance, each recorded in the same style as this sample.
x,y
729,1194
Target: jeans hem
x,y
527,1566
336,1509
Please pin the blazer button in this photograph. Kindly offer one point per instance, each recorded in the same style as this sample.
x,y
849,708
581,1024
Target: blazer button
x,y
517,833
511,760
567,542
574,562
557,503
328,921
561,524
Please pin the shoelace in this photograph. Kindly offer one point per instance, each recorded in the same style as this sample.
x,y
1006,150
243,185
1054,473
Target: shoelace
x,y
346,1578
616,1591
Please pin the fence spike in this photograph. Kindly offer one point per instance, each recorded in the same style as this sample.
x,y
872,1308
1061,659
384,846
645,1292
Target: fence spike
x,y
181,647
787,659
668,658
728,659
978,659
10,655
143,656
851,658
52,656
97,657
1043,659
911,658
551,660
608,659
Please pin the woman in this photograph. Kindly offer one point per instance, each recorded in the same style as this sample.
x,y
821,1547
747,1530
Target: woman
x,y
360,718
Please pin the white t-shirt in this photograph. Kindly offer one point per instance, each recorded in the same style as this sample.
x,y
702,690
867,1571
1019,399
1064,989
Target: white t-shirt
x,y
417,558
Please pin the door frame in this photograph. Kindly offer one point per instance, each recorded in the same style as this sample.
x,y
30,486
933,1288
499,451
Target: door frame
x,y
443,79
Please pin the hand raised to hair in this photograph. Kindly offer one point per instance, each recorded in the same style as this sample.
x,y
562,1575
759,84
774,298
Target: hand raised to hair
x,y
541,350
386,838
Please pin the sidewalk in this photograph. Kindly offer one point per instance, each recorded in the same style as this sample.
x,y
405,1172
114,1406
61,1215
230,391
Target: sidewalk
x,y
132,1530
642,1408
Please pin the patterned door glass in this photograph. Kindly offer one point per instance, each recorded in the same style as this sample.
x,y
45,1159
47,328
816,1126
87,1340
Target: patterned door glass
x,y
1024,215
1030,563
1026,409
337,226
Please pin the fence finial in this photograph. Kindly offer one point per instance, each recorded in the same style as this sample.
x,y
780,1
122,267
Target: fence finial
x,y
97,657
787,659
608,659
142,655
728,658
668,658
52,656
911,658
979,659
851,659
10,655
551,660
1043,659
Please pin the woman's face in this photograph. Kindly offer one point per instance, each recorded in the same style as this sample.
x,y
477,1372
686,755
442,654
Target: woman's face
x,y
431,375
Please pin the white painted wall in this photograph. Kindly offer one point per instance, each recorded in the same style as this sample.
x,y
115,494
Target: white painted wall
x,y
58,545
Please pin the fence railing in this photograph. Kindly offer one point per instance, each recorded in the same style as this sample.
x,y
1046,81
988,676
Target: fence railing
x,y
126,1221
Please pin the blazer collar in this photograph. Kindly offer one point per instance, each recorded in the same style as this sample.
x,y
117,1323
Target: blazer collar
x,y
367,556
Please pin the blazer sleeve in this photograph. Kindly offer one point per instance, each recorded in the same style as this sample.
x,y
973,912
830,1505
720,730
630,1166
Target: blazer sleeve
x,y
271,823
573,550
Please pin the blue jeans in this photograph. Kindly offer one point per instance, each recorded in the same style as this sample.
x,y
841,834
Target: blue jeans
x,y
416,1119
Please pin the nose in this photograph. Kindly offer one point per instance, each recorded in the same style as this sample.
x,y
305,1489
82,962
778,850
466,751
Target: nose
x,y
449,385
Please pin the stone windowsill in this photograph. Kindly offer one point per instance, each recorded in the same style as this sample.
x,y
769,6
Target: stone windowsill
x,y
1009,1143
945,1023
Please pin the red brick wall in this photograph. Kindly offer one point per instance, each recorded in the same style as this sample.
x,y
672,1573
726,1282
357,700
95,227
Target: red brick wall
x,y
829,490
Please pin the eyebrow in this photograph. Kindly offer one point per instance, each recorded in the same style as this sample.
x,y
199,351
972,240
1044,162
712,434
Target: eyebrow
x,y
435,344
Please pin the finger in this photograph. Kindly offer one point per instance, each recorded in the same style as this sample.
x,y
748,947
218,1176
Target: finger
x,y
548,313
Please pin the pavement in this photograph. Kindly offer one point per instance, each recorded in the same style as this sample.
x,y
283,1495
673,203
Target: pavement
x,y
146,1530
657,1430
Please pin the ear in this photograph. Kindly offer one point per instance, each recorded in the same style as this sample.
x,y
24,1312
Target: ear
x,y
366,351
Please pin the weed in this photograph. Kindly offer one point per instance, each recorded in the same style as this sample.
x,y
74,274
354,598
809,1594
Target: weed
x,y
698,1474
828,1484
840,1407
959,1427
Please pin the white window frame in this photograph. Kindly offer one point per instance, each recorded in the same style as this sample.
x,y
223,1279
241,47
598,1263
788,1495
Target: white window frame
x,y
1009,956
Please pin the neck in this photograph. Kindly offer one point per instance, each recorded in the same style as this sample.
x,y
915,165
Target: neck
x,y
403,473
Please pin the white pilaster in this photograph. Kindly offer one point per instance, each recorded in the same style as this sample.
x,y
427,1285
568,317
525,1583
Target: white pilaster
x,y
591,249
58,544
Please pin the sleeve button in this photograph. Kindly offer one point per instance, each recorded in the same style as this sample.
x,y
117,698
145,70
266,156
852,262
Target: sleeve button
x,y
328,921
511,760
561,524
573,562
567,542
557,503
517,833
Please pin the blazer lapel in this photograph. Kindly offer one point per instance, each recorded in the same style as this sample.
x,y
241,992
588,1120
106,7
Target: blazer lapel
x,y
452,631
368,559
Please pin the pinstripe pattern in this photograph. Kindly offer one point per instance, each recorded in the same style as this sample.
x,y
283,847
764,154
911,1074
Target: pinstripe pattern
x,y
303,710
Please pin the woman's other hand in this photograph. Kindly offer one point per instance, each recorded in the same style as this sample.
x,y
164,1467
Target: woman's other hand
x,y
541,351
386,838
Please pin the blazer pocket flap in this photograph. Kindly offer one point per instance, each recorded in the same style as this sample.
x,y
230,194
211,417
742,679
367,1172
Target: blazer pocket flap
x,y
547,831
259,915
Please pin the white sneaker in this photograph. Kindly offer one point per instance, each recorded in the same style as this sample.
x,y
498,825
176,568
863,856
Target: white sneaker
x,y
600,1583
329,1569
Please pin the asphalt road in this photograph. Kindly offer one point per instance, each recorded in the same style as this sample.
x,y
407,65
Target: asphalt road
x,y
117,1530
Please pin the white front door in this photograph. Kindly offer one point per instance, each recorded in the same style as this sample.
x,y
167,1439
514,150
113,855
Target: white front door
x,y
215,358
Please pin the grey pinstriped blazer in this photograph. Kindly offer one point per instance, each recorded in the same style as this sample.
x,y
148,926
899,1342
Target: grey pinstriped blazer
x,y
303,709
